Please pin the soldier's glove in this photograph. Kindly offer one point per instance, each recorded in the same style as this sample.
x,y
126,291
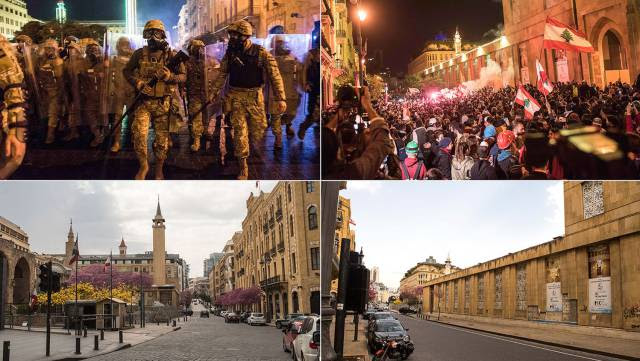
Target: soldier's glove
x,y
14,148
281,106
163,74
144,88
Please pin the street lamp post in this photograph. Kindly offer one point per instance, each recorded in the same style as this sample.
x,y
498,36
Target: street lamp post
x,y
362,16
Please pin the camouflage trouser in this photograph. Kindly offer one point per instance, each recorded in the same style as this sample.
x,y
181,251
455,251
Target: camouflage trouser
x,y
277,120
92,115
156,110
247,118
197,123
52,101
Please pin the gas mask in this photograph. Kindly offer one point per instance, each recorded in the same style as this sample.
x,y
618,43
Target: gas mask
x,y
156,40
124,48
93,53
237,41
282,49
50,53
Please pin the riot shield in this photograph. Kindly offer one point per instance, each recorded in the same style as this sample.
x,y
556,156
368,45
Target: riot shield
x,y
106,71
212,56
120,93
297,44
29,54
74,67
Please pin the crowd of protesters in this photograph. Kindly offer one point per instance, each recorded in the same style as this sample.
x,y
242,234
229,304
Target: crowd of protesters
x,y
580,132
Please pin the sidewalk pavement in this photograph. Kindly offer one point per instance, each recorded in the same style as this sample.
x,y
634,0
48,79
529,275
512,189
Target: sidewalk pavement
x,y
353,350
600,340
30,345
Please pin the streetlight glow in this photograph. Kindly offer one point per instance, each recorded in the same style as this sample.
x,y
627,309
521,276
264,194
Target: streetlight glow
x,y
362,15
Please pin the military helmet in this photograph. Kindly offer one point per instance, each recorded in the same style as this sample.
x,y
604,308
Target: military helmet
x,y
194,43
24,39
242,27
90,41
51,43
124,45
71,39
154,24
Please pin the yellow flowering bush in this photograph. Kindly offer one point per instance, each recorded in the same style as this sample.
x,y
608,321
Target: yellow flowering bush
x,y
88,292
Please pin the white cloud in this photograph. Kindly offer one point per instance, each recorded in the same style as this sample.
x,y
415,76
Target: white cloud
x,y
364,186
555,201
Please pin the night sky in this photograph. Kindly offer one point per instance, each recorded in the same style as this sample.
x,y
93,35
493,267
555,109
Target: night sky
x,y
165,10
401,27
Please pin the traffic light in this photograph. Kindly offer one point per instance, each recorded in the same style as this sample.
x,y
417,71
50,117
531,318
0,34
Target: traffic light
x,y
43,278
55,282
358,290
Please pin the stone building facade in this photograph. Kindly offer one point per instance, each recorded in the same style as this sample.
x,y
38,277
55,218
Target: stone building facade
x,y
424,272
612,27
278,250
587,277
222,277
17,267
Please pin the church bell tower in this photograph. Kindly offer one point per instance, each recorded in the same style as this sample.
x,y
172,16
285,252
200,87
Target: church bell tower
x,y
159,253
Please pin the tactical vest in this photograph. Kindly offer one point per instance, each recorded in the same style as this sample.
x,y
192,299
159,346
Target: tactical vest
x,y
249,75
49,72
149,65
195,77
91,81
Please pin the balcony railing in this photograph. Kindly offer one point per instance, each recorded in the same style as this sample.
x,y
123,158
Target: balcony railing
x,y
272,222
279,214
265,228
281,247
244,13
272,281
273,251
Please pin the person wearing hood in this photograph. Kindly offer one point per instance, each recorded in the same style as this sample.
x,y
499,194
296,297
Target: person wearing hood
x,y
482,168
462,162
412,167
443,160
508,165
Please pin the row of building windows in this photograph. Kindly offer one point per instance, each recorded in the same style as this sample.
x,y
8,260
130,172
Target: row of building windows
x,y
12,11
10,21
12,233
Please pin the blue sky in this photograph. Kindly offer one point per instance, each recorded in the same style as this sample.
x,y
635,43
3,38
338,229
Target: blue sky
x,y
399,224
201,216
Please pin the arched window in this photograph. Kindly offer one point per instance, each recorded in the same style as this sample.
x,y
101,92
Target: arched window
x,y
612,52
312,213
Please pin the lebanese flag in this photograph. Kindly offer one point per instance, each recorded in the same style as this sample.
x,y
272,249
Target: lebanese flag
x,y
528,102
561,36
544,85
351,221
107,263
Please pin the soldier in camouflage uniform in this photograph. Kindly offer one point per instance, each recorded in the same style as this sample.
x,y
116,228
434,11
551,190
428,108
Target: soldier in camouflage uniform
x,y
26,61
13,122
71,100
146,64
50,79
244,64
121,93
91,80
197,89
290,70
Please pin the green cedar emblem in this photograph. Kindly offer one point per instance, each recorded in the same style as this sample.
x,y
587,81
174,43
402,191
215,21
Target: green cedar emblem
x,y
566,35
526,102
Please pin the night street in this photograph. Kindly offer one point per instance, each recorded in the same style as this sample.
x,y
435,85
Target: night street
x,y
209,339
435,341
75,160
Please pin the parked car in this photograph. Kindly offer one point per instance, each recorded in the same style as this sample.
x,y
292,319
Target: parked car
x,y
231,317
379,316
305,346
406,310
223,313
244,316
284,322
204,314
382,331
290,332
256,319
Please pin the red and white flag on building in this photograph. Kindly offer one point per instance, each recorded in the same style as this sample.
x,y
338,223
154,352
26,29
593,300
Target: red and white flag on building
x,y
561,36
107,263
544,85
351,221
528,102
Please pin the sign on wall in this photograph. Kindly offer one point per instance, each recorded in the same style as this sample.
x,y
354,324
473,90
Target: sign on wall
x,y
554,289
599,279
563,70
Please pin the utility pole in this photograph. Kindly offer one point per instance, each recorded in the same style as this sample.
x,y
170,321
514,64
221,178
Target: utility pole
x,y
49,288
343,283
329,193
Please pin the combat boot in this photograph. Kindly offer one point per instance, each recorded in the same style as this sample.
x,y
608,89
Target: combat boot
x,y
278,144
73,134
115,148
143,170
51,135
159,175
98,138
196,144
244,169
290,131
